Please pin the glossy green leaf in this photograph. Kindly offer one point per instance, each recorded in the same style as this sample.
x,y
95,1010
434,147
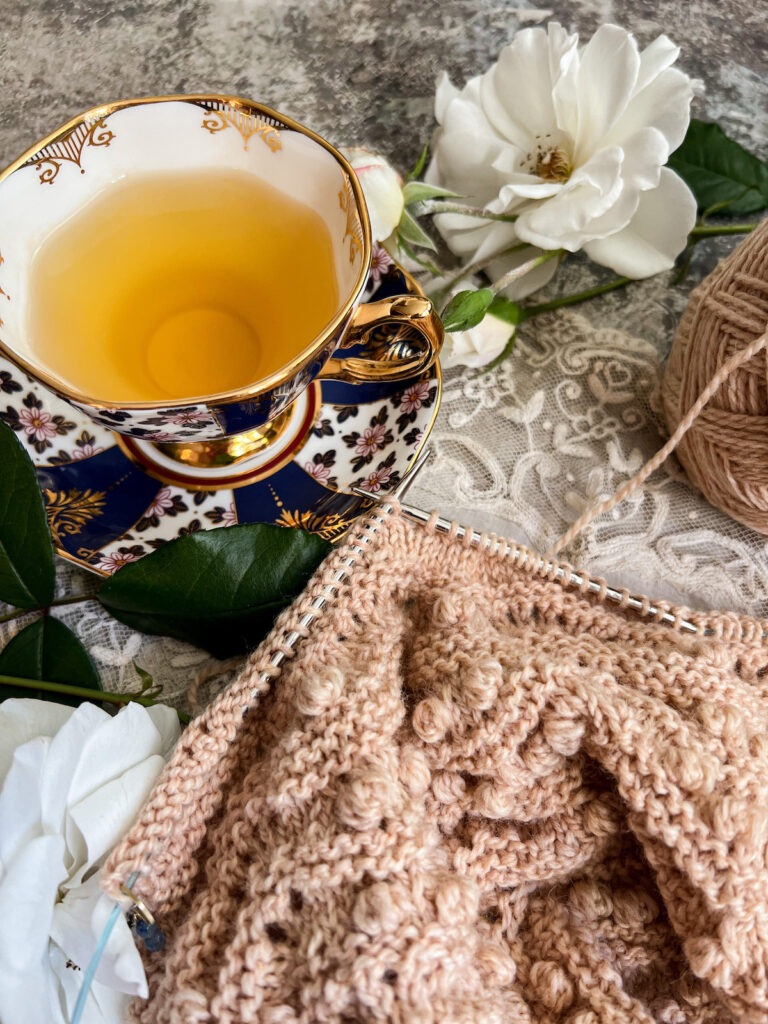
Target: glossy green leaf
x,y
419,191
466,309
219,589
719,171
26,551
47,649
410,229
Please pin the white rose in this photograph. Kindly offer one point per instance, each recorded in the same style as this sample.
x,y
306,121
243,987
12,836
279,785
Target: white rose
x,y
572,142
72,782
481,343
382,187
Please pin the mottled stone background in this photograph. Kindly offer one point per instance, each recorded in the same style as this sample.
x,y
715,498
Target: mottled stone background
x,y
357,71
352,69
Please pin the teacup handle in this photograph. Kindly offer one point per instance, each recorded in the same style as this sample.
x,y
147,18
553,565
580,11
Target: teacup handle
x,y
416,311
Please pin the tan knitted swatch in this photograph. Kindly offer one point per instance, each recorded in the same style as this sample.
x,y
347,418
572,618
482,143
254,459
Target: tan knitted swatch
x,y
470,796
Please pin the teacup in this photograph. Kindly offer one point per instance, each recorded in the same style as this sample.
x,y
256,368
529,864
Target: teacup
x,y
56,177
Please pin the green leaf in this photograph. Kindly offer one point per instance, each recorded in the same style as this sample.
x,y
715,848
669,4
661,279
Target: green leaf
x,y
418,191
219,589
466,309
419,165
720,171
506,310
410,230
427,264
46,649
26,551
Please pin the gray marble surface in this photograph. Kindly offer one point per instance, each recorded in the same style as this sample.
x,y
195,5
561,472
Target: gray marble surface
x,y
357,71
351,69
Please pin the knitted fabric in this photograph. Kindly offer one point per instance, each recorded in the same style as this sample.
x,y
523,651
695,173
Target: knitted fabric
x,y
470,795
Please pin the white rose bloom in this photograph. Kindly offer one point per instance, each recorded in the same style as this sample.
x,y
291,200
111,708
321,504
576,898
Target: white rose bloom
x,y
382,187
573,142
72,781
481,343
477,346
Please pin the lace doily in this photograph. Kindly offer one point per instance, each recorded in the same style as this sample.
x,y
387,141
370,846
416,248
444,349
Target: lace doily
x,y
569,418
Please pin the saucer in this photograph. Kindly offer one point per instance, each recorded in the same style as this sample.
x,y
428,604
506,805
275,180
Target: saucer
x,y
108,506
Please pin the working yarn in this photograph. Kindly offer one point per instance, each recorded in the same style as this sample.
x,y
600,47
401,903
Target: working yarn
x,y
470,795
725,453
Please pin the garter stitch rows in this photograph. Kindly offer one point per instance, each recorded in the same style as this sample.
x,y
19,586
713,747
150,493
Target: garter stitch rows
x,y
470,796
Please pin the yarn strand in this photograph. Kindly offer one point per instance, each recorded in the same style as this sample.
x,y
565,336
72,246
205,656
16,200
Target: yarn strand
x,y
722,374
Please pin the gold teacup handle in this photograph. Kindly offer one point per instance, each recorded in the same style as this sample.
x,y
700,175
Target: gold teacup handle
x,y
414,310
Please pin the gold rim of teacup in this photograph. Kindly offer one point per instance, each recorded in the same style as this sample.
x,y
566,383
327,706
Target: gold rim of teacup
x,y
289,371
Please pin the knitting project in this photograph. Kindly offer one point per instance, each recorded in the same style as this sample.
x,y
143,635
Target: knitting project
x,y
470,795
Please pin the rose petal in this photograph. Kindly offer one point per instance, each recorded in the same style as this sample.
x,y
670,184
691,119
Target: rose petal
x,y
477,346
382,188
463,161
664,104
532,57
65,751
445,91
609,66
655,58
78,922
27,892
656,234
166,721
20,799
104,816
22,719
564,221
119,743
645,152
69,981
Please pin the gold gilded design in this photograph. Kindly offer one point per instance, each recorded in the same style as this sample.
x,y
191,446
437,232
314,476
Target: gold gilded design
x,y
2,292
247,124
208,102
329,527
227,451
69,511
69,148
352,230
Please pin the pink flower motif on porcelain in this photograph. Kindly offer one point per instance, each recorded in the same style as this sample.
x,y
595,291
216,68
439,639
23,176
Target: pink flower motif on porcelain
x,y
415,396
163,501
371,440
319,471
381,263
117,559
378,479
37,424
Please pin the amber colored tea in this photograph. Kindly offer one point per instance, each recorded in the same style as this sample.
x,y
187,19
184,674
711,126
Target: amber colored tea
x,y
178,286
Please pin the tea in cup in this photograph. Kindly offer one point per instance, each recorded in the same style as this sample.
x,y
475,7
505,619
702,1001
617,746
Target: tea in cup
x,y
183,268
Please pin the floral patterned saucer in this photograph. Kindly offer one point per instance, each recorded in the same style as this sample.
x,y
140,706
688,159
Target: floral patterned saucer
x,y
105,510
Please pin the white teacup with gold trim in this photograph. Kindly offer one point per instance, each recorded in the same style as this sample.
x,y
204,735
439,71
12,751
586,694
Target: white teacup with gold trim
x,y
182,268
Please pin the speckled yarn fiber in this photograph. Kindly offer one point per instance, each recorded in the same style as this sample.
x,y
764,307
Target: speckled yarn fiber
x,y
725,453
471,795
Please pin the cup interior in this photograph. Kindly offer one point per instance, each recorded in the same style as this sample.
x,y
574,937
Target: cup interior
x,y
109,144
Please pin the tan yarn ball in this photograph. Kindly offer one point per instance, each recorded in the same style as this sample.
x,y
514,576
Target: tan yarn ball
x,y
725,453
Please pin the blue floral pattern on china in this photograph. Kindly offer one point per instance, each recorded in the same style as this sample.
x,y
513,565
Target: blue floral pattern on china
x,y
105,511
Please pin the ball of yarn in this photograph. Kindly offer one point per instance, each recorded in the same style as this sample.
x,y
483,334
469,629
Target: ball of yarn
x,y
725,452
